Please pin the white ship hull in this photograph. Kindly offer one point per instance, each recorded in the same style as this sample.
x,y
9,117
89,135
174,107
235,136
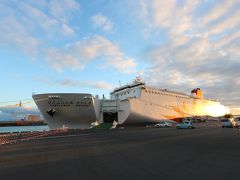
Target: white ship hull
x,y
72,110
130,104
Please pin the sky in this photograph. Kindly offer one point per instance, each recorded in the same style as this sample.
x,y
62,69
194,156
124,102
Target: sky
x,y
93,46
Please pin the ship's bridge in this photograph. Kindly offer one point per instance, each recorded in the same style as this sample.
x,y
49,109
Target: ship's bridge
x,y
127,91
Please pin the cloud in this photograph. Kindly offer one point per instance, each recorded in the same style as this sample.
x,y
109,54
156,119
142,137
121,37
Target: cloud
x,y
102,22
67,30
103,85
63,9
217,12
76,55
162,12
124,66
231,22
60,59
143,8
76,83
16,113
29,26
235,110
34,27
90,84
228,40
13,33
197,65
202,55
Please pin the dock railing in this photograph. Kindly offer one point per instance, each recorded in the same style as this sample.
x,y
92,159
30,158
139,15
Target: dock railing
x,y
11,138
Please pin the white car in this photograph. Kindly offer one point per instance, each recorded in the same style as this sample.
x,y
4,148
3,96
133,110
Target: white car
x,y
229,123
163,124
238,122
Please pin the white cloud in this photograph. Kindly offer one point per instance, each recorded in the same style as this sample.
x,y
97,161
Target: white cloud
x,y
62,9
196,55
102,85
143,8
217,12
102,22
163,12
227,40
229,23
174,17
89,84
123,65
29,26
13,33
54,23
235,110
60,59
77,55
67,30
75,83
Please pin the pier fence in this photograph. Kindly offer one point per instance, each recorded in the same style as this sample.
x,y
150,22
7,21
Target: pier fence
x,y
10,138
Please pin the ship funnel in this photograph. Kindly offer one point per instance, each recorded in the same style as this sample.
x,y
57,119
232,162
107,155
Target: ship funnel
x,y
197,93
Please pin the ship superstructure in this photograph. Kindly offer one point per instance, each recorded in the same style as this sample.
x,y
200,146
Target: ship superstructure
x,y
128,104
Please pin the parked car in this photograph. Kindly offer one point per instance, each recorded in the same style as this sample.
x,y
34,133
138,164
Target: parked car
x,y
185,125
163,124
238,122
229,123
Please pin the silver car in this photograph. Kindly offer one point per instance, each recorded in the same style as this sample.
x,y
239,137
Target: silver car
x,y
162,124
228,123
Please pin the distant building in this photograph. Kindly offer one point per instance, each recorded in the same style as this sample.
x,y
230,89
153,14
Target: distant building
x,y
31,117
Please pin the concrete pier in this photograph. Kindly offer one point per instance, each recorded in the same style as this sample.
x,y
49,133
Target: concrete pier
x,y
130,153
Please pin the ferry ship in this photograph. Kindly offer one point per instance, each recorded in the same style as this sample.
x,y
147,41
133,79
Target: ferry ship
x,y
129,104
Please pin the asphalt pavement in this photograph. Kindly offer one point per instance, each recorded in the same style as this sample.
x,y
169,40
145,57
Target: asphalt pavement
x,y
130,153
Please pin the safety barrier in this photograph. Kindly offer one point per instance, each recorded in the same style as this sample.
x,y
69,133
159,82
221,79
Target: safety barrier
x,y
11,138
